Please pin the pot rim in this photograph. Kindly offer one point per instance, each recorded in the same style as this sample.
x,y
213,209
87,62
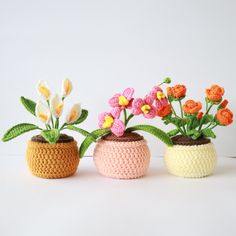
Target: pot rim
x,y
52,144
182,140
63,139
190,147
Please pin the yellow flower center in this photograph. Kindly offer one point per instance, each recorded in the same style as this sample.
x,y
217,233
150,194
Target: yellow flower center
x,y
108,122
123,101
160,95
43,117
145,109
44,91
59,108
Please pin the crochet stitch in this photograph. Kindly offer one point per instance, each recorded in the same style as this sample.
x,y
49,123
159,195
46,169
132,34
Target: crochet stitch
x,y
122,160
52,161
191,161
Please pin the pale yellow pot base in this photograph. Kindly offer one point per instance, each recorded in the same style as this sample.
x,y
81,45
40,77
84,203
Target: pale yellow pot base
x,y
191,161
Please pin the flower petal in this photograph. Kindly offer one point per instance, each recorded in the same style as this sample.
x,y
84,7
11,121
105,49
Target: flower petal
x,y
136,106
129,106
128,93
56,106
101,118
149,99
161,103
114,101
115,112
118,128
43,89
138,102
154,91
66,87
151,114
42,112
74,113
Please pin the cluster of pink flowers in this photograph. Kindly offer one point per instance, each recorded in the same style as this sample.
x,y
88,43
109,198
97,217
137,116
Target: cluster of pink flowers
x,y
151,106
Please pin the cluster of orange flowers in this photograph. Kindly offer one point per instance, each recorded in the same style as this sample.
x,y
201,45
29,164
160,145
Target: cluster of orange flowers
x,y
213,95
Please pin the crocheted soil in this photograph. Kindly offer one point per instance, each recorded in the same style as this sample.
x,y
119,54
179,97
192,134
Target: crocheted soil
x,y
187,141
127,137
62,139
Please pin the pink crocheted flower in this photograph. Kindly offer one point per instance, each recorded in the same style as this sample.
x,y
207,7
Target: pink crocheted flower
x,y
123,100
159,97
144,106
111,120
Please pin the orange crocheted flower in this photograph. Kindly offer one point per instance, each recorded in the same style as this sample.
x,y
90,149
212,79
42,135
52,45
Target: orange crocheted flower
x,y
224,103
164,111
215,93
224,116
191,107
199,115
178,91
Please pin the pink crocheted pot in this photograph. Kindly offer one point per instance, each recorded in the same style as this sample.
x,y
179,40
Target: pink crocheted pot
x,y
121,158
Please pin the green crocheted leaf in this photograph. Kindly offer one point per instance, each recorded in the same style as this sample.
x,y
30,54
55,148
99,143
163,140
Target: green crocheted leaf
x,y
207,119
208,133
154,131
88,140
28,104
173,132
81,131
192,122
194,134
51,136
195,123
82,118
18,130
179,121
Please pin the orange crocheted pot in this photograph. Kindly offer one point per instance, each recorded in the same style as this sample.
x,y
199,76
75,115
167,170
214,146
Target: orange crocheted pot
x,y
52,161
126,157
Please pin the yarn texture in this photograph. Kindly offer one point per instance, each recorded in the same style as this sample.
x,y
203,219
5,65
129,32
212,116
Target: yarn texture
x,y
52,161
191,161
122,160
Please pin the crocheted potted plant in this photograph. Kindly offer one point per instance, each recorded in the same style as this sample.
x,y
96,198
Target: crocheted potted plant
x,y
51,154
120,152
193,154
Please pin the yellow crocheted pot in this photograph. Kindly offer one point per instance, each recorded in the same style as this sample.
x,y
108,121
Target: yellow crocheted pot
x,y
191,161
52,161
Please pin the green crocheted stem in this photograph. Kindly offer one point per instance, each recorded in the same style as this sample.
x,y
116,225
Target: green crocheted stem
x,y
81,131
82,118
88,140
28,104
18,130
154,131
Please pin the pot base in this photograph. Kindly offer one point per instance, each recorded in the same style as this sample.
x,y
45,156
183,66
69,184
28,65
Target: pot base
x,y
122,160
191,161
52,161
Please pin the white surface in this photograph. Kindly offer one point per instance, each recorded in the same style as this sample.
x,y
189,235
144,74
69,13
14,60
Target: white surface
x,y
106,45
88,204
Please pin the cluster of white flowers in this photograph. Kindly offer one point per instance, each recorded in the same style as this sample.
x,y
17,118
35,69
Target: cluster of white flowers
x,y
55,104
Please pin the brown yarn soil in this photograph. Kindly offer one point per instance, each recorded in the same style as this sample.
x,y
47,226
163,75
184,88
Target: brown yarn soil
x,y
127,137
187,141
62,139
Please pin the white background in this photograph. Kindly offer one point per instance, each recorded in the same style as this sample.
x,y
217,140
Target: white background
x,y
89,204
106,46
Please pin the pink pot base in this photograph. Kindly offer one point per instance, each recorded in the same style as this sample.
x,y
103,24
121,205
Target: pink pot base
x,y
122,160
